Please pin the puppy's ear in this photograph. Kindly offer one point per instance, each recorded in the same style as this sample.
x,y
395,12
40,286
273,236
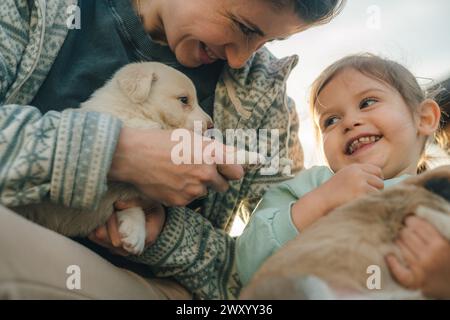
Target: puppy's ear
x,y
136,82
439,186
431,178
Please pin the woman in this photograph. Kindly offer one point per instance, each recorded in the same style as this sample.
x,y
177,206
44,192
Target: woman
x,y
68,156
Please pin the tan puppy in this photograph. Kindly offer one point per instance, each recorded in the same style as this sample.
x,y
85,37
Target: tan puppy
x,y
142,95
330,259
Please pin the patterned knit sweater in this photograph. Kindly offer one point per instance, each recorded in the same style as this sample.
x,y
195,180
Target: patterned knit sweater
x,y
65,156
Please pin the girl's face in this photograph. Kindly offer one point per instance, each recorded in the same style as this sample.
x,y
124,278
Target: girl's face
x,y
365,121
202,31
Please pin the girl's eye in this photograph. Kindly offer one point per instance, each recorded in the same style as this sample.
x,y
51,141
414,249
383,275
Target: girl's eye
x,y
184,100
330,121
368,102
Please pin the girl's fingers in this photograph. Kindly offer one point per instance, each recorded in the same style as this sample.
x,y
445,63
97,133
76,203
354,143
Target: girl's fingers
x,y
402,275
425,230
411,240
373,170
375,182
371,189
407,254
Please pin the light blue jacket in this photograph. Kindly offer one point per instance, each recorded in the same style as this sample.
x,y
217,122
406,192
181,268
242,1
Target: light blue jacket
x,y
271,224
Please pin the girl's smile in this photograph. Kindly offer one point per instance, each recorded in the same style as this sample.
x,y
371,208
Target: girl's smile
x,y
361,142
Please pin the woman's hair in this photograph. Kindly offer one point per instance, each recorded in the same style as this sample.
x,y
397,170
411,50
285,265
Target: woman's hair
x,y
387,71
313,12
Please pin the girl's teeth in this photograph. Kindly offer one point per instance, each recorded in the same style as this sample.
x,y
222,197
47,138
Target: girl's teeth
x,y
361,141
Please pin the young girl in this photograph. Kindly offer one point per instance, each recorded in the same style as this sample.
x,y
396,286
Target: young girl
x,y
374,121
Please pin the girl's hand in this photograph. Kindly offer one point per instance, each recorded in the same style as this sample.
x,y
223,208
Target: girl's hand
x,y
352,182
427,255
347,184
108,235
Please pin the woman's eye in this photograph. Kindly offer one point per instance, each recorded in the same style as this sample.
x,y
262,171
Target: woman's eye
x,y
368,102
330,121
184,100
245,30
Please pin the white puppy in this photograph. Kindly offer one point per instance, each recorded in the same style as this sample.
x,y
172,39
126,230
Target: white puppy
x,y
142,95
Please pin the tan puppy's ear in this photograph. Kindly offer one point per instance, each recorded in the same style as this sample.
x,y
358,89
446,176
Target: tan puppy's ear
x,y
135,82
442,172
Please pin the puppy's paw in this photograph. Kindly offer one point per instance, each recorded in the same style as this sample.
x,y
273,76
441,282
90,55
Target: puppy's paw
x,y
132,229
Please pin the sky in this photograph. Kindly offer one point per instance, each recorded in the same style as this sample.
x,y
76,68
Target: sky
x,y
412,32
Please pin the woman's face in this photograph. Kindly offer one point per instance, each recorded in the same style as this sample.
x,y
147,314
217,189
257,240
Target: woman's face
x,y
202,31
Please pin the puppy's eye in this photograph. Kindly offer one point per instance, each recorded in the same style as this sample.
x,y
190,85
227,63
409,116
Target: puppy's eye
x,y
184,100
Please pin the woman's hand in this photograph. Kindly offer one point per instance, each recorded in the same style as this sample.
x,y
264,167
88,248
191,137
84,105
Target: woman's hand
x,y
108,235
427,255
143,158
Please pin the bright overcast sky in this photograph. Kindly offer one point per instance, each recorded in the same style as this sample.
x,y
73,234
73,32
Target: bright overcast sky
x,y
412,32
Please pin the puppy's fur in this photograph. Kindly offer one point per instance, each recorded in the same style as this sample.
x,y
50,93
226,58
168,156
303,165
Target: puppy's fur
x,y
142,95
329,260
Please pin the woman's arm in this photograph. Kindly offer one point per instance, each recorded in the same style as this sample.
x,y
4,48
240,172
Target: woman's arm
x,y
14,34
63,157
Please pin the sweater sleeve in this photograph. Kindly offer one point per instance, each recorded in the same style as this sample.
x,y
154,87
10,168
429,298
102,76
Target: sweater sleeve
x,y
63,157
14,33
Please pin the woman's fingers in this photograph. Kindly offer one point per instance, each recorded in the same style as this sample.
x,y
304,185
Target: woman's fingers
x,y
107,235
101,234
113,231
218,182
119,251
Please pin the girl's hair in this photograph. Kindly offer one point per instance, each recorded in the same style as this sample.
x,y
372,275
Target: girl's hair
x,y
313,12
387,71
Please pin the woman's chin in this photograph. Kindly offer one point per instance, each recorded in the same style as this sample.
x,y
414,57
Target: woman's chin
x,y
188,63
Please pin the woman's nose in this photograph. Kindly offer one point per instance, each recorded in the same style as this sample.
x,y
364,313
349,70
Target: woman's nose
x,y
238,55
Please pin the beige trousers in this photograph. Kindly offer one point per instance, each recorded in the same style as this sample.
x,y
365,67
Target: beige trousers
x,y
36,263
